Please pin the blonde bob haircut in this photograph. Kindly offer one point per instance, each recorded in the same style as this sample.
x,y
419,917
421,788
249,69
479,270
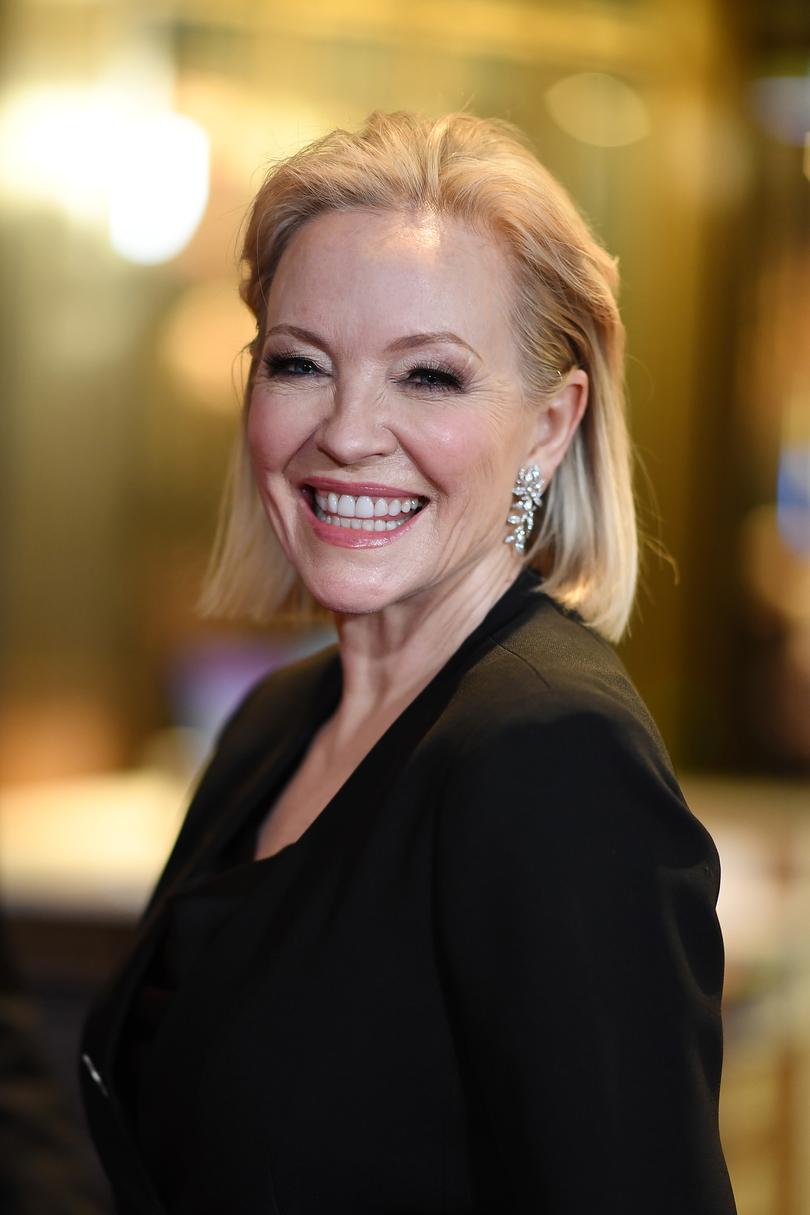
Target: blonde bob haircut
x,y
482,172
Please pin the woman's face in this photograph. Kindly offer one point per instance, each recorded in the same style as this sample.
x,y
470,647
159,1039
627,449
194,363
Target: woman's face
x,y
387,419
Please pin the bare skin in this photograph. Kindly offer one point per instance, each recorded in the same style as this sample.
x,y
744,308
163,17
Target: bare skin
x,y
347,404
379,684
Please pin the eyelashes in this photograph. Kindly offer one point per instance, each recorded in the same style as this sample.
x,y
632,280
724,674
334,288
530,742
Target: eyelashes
x,y
276,365
428,376
437,377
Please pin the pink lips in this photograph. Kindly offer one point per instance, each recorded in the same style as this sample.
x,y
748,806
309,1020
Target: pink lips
x,y
356,488
347,537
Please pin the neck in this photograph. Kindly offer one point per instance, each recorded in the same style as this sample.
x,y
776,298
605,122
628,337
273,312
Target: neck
x,y
389,656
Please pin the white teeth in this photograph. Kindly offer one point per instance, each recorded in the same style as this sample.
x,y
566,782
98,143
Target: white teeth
x,y
367,525
348,510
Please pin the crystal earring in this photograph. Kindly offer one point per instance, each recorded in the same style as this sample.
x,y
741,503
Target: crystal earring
x,y
528,492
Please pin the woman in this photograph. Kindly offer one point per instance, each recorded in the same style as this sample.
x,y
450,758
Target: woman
x,y
438,932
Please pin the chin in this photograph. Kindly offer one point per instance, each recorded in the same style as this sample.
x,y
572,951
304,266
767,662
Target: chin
x,y
352,595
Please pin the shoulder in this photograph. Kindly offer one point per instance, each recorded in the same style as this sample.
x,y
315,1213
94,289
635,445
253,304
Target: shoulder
x,y
547,677
553,750
275,705
270,711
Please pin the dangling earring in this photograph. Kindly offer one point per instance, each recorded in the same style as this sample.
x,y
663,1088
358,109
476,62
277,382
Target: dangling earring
x,y
528,491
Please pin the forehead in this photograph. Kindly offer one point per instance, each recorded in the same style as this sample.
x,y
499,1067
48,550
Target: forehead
x,y
376,274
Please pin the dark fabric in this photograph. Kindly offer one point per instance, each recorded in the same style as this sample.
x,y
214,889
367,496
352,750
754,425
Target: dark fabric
x,y
196,913
486,979
41,1164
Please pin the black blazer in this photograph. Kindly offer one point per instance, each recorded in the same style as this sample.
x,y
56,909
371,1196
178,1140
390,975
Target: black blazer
x,y
486,979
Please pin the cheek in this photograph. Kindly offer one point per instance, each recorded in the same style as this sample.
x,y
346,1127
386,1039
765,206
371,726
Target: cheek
x,y
466,451
275,431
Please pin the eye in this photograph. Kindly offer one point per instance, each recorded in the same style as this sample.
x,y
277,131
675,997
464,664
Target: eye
x,y
434,378
293,366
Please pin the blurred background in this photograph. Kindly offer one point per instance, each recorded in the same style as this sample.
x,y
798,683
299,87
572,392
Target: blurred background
x,y
133,137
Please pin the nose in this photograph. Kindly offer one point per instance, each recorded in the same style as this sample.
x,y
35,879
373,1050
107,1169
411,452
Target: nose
x,y
354,429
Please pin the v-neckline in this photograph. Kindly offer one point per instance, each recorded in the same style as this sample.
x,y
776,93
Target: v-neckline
x,y
324,702
260,784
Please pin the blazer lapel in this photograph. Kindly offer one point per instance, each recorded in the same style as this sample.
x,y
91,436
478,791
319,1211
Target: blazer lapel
x,y
220,808
221,819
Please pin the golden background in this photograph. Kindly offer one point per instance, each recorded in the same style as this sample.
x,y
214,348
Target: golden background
x,y
133,137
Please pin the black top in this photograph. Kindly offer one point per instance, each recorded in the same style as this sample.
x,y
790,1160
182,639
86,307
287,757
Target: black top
x,y
485,979
198,913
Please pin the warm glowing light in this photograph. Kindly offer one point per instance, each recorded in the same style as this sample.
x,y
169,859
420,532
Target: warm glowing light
x,y
54,143
91,153
90,845
598,109
158,187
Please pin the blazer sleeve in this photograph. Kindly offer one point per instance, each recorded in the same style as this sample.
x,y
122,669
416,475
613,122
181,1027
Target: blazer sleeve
x,y
583,961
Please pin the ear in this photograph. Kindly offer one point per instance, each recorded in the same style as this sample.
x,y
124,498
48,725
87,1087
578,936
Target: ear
x,y
557,422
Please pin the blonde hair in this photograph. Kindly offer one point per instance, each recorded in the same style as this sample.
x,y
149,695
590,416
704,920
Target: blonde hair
x,y
482,172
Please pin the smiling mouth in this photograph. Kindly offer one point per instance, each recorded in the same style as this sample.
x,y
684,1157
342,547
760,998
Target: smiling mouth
x,y
363,512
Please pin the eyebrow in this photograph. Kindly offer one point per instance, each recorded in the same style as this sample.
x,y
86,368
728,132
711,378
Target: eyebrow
x,y
422,339
408,342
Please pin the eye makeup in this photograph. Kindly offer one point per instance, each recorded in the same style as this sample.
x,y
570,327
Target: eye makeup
x,y
426,375
288,363
436,377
